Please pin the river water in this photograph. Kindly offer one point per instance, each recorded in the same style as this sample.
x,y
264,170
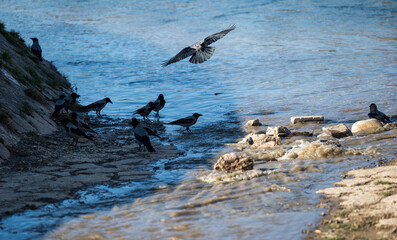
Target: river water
x,y
285,58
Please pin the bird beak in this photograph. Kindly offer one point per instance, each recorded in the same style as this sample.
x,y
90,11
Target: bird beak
x,y
111,101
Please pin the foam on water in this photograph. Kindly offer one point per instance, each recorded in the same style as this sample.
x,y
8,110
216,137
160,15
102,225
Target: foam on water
x,y
224,177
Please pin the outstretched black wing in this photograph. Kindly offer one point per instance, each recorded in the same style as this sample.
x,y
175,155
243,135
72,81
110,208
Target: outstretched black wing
x,y
186,52
215,37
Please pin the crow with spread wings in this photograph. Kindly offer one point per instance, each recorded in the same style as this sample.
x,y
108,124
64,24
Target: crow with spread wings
x,y
200,51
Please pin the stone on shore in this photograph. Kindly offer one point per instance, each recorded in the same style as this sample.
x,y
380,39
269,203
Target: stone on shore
x,y
278,131
302,119
253,123
338,131
366,126
260,140
234,162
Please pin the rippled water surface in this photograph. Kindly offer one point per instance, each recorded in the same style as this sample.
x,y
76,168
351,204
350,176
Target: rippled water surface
x,y
285,58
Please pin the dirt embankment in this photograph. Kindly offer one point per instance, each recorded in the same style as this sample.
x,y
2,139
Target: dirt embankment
x,y
27,87
365,206
46,169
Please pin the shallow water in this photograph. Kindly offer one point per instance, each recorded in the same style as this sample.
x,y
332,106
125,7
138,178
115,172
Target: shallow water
x,y
285,58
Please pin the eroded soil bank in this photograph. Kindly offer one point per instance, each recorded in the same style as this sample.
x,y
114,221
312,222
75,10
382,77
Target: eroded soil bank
x,y
46,169
364,205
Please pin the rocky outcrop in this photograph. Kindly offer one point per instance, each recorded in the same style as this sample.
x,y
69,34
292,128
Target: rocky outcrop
x,y
27,87
234,162
367,126
337,131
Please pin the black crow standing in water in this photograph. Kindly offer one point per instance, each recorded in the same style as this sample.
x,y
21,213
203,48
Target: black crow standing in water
x,y
59,105
97,106
80,123
142,135
75,132
146,110
187,121
159,104
375,113
200,51
36,49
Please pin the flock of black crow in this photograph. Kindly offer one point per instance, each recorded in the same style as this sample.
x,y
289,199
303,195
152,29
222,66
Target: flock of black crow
x,y
76,128
198,53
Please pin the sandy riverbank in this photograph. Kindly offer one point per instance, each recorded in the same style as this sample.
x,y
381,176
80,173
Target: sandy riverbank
x,y
45,169
364,205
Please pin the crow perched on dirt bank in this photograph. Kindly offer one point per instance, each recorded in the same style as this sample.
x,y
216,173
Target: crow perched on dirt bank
x,y
36,49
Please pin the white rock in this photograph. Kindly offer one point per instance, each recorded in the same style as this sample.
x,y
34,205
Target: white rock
x,y
366,126
233,162
279,130
247,140
302,119
253,123
261,140
338,130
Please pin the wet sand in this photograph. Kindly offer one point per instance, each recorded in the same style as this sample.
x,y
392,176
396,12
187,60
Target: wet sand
x,y
364,205
46,169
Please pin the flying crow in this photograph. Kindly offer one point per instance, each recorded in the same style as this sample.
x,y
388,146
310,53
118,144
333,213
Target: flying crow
x,y
97,106
142,135
75,132
375,113
36,49
200,51
159,104
187,121
59,105
146,110
80,123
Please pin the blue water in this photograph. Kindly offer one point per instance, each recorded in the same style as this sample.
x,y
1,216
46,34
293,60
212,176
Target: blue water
x,y
285,58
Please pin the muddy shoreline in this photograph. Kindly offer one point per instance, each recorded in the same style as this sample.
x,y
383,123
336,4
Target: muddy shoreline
x,y
46,169
363,205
